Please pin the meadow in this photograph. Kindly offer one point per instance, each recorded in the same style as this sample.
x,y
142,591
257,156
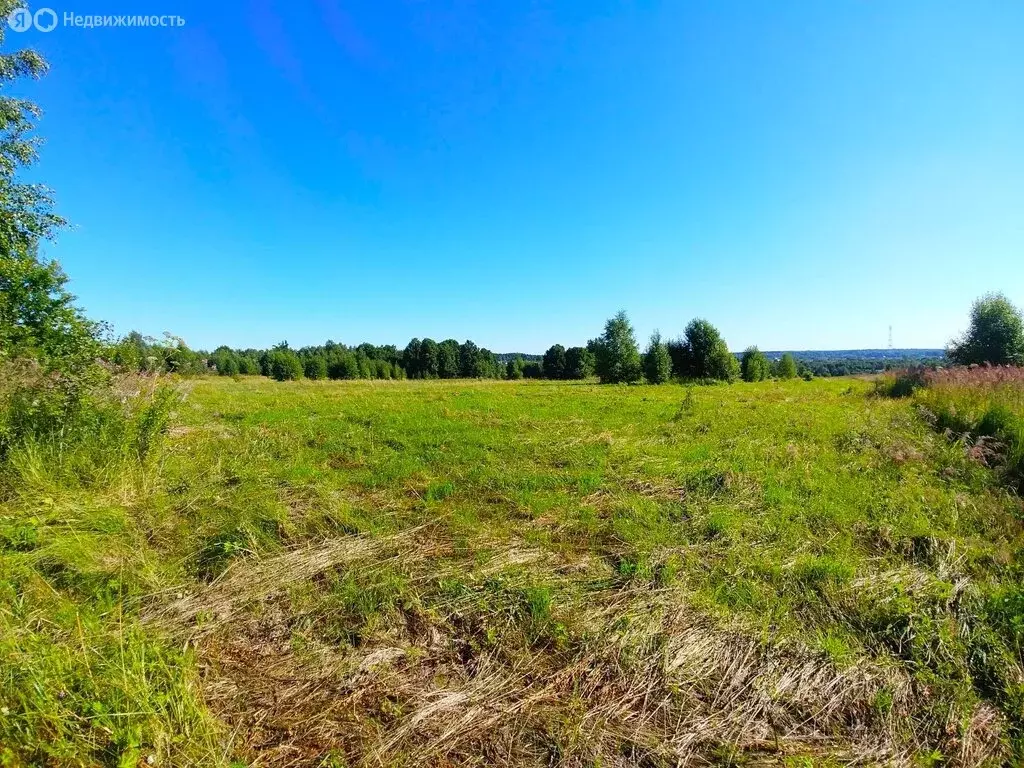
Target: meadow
x,y
514,573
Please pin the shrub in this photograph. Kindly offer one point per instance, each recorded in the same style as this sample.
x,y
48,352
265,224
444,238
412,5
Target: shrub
x,y
657,363
703,354
315,367
901,383
80,421
532,370
754,366
223,359
514,368
785,368
248,365
343,366
554,362
579,363
285,365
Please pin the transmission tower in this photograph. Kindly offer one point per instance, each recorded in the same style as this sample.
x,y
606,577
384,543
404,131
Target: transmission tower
x,y
890,337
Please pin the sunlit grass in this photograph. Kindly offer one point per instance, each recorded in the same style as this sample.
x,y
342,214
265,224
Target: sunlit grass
x,y
512,528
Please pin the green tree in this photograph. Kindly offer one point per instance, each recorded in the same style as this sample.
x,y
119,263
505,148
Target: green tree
x,y
618,358
755,366
285,365
657,363
469,360
554,362
579,363
228,366
411,359
248,365
428,359
315,367
995,335
131,352
514,368
38,316
448,363
487,364
785,368
365,366
704,354
224,360
343,365
174,356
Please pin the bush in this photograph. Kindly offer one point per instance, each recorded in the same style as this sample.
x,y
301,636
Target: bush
x,y
248,366
343,366
703,354
657,363
901,383
785,368
554,362
285,365
755,366
514,368
80,423
315,367
579,363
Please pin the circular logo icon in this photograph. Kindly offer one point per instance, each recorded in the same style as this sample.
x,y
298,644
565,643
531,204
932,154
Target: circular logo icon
x,y
20,19
45,19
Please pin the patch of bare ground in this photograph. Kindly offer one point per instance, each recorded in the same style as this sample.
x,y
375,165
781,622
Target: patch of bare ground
x,y
633,678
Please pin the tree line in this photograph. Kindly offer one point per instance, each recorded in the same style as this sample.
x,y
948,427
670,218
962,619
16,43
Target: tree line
x,y
614,357
699,354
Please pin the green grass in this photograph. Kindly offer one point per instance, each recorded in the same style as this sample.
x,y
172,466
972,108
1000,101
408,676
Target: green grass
x,y
547,549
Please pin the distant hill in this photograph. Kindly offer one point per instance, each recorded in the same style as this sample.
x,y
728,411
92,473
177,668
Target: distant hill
x,y
847,362
862,354
809,354
828,362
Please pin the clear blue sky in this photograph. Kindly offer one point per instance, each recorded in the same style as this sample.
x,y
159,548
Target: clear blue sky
x,y
803,174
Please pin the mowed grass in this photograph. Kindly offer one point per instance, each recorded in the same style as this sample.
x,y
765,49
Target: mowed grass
x,y
529,573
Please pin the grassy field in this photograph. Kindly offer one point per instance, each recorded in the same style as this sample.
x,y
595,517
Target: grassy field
x,y
516,573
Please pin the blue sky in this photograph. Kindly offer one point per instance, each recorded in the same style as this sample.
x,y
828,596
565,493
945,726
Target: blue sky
x,y
802,174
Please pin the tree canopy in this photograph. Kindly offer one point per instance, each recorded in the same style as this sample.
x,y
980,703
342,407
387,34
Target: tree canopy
x,y
755,366
618,358
995,334
579,363
554,362
786,367
703,354
657,363
38,316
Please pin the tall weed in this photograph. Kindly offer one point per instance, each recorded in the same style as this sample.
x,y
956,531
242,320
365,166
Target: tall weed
x,y
982,403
